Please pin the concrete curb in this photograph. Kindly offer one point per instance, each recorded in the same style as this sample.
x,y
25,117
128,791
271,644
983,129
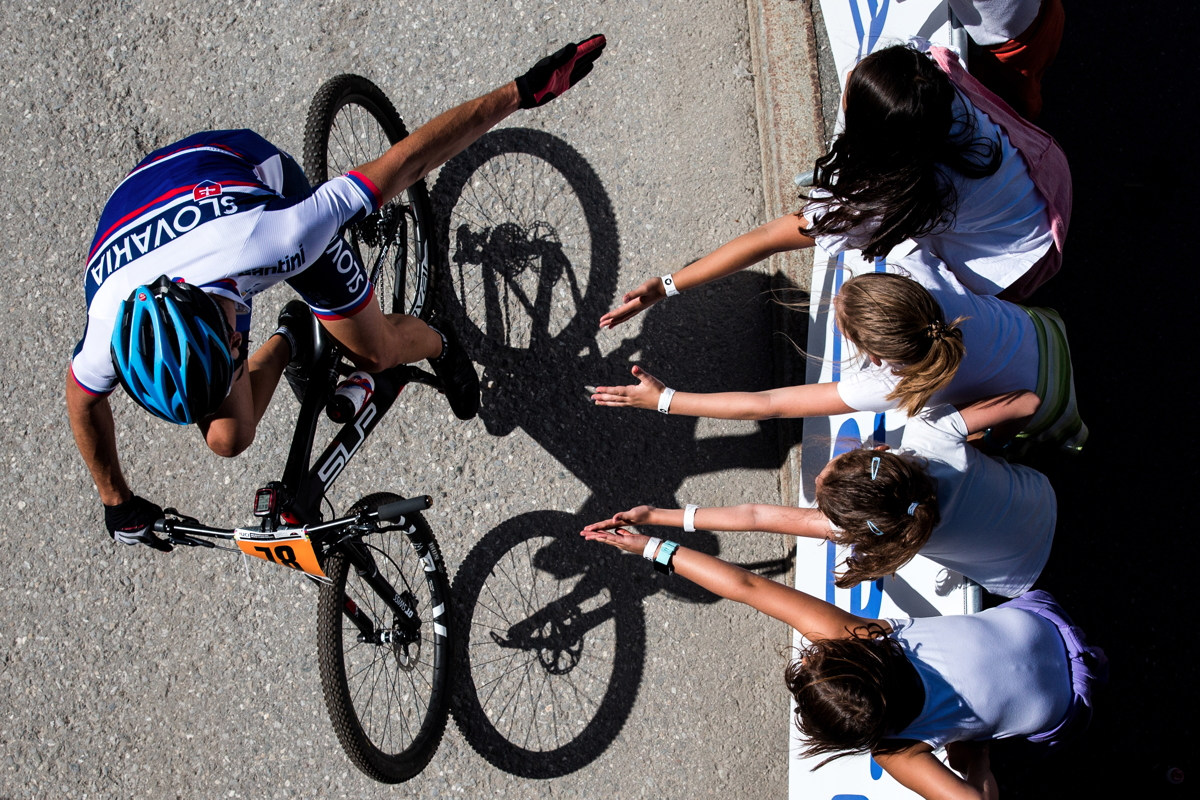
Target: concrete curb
x,y
791,129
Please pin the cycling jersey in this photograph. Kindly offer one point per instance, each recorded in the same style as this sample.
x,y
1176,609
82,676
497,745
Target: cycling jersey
x,y
231,213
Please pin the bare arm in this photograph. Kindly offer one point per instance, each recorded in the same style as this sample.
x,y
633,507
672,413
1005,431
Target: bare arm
x,y
788,520
95,436
1006,413
777,236
814,618
918,769
809,400
439,140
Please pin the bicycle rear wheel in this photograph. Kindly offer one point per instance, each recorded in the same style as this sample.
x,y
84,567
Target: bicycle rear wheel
x,y
386,689
351,122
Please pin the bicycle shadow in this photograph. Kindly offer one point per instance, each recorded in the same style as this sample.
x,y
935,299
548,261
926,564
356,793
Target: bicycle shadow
x,y
551,628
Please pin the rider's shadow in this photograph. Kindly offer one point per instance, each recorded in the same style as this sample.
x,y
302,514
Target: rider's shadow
x,y
529,253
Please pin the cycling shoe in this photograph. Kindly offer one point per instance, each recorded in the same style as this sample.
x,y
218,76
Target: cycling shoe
x,y
460,383
299,327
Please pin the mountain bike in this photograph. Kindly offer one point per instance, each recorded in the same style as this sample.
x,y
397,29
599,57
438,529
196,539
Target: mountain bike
x,y
383,623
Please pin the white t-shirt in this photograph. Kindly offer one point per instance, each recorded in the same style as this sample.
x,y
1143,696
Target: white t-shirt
x,y
1000,340
997,519
1000,228
999,673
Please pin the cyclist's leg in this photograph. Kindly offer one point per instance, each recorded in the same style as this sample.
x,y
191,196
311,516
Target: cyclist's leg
x,y
375,341
337,289
231,429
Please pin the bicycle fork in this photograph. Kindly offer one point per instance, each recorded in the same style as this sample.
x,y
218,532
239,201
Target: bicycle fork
x,y
403,604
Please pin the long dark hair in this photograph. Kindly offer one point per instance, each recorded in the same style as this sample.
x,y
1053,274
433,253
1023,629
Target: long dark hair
x,y
885,168
854,695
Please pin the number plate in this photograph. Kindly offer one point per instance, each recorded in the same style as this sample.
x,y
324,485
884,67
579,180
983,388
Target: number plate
x,y
290,547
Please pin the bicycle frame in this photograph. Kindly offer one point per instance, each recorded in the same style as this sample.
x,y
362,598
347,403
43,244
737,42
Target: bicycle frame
x,y
292,505
304,486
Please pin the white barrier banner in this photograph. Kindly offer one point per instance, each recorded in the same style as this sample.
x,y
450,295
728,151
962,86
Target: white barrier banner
x,y
921,588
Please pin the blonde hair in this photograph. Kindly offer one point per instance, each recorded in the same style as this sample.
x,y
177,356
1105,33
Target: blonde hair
x,y
898,321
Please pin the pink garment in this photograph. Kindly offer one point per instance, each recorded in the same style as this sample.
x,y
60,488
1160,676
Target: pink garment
x,y
1044,157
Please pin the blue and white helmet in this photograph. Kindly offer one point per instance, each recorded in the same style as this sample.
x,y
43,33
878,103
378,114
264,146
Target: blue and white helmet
x,y
170,347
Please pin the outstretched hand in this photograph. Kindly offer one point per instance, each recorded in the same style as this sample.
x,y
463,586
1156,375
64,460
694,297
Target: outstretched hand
x,y
616,537
644,394
634,303
638,515
559,71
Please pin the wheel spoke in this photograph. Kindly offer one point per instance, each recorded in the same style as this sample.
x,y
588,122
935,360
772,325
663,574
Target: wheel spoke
x,y
387,700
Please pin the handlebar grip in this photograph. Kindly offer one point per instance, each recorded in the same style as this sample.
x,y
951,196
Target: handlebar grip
x,y
160,526
393,511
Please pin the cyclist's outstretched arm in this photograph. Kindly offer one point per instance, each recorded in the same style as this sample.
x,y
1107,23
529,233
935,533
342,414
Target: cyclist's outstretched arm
x,y
126,516
438,140
806,400
451,132
777,236
787,520
813,617
95,436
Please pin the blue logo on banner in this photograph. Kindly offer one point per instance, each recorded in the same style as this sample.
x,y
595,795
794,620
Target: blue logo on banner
x,y
877,11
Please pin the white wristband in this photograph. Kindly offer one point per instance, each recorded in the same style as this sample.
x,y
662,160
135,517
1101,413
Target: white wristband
x,y
689,517
651,548
669,284
664,400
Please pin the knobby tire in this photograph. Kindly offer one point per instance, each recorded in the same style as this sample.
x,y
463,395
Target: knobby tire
x,y
351,122
387,701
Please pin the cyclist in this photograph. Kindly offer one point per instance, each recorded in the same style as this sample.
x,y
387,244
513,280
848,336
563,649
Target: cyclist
x,y
199,227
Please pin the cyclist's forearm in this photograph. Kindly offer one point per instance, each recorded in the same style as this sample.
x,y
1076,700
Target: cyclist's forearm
x,y
95,436
439,140
777,236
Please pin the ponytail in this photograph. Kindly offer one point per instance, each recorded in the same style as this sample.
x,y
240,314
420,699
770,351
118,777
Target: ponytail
x,y
898,321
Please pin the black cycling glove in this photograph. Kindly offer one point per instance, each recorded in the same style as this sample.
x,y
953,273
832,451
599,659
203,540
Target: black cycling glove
x,y
556,73
129,523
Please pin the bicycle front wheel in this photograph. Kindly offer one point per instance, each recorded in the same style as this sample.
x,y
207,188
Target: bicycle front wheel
x,y
351,122
384,675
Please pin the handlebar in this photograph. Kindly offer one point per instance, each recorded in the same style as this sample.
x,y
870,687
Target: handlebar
x,y
184,530
393,511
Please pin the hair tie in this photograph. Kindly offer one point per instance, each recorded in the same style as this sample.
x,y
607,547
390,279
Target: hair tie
x,y
912,507
936,330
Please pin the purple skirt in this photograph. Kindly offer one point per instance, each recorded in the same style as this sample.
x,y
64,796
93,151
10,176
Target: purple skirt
x,y
1088,666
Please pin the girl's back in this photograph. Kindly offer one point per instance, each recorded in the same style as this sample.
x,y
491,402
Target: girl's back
x,y
1000,673
1001,344
1001,226
997,519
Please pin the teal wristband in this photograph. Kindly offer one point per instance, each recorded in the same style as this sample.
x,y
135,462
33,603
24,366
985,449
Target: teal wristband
x,y
662,562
